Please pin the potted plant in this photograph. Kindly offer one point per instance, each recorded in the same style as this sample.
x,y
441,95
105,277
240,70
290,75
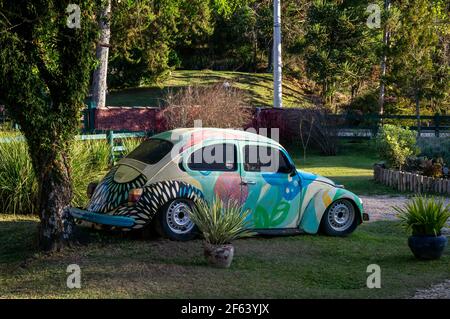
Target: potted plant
x,y
425,217
220,224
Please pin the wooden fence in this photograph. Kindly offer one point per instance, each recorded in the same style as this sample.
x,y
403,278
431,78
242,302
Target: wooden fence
x,y
404,181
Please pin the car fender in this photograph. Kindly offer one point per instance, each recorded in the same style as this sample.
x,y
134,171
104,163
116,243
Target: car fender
x,y
155,196
317,197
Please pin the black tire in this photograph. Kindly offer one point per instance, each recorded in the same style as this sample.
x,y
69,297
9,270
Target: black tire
x,y
166,225
334,221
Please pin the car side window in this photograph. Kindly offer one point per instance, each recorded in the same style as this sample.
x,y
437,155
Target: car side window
x,y
265,159
216,157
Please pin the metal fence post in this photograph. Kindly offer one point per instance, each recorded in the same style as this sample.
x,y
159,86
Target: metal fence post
x,y
110,139
437,122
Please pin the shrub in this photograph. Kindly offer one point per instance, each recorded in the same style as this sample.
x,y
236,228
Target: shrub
x,y
215,105
320,127
395,144
221,222
424,216
435,147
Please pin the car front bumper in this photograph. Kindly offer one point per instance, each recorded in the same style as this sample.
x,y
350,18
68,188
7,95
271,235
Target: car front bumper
x,y
111,220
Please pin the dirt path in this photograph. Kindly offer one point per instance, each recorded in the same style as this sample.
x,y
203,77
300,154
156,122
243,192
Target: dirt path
x,y
380,208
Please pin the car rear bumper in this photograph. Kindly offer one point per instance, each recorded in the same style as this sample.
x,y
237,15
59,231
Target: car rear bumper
x,y
111,220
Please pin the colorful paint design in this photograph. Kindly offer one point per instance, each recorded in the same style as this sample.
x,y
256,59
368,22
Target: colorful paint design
x,y
276,200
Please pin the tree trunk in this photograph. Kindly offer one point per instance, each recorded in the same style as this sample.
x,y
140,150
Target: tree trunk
x,y
99,79
55,193
418,114
386,36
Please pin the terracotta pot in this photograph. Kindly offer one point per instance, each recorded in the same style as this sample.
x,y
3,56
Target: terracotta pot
x,y
219,256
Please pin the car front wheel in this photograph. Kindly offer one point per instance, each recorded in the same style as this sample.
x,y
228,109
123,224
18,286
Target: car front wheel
x,y
339,218
174,221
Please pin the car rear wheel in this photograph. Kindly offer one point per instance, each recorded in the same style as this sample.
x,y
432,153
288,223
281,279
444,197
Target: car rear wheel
x,y
174,222
339,218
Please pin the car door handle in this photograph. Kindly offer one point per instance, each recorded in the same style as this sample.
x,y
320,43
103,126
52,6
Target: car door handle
x,y
248,183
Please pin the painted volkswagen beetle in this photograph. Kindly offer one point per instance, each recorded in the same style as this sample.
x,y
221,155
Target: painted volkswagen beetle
x,y
162,179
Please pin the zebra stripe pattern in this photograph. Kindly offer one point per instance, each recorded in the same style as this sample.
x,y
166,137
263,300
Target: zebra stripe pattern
x,y
156,196
109,195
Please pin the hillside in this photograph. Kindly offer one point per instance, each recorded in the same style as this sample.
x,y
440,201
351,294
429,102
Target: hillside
x,y
257,87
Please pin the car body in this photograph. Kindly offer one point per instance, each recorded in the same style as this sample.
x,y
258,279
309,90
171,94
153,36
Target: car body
x,y
173,169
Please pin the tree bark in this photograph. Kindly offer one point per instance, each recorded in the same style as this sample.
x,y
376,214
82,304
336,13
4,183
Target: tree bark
x,y
99,79
418,113
52,169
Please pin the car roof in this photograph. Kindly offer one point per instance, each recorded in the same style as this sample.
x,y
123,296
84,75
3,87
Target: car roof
x,y
191,136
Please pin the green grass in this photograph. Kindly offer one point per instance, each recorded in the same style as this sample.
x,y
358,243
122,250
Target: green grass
x,y
352,167
257,87
302,266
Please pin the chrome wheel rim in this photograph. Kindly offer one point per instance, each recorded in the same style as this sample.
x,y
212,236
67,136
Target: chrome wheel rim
x,y
177,217
341,215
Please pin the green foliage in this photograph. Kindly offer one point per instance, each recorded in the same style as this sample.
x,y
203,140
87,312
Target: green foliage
x,y
418,69
395,144
144,33
45,69
424,216
220,222
338,48
435,147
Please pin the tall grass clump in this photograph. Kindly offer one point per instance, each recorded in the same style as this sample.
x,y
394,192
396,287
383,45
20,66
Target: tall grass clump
x,y
130,144
424,216
221,222
18,187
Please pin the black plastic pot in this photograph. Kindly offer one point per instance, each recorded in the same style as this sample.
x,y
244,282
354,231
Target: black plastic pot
x,y
427,247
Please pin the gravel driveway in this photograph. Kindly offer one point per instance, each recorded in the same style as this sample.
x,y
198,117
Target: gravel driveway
x,y
380,208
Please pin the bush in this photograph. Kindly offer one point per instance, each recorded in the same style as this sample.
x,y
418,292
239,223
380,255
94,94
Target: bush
x,y
215,106
424,216
318,126
435,147
395,144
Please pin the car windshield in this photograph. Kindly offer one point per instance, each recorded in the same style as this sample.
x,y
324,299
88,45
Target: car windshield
x,y
151,151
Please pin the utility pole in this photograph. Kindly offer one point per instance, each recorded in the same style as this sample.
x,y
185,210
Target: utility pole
x,y
386,36
277,66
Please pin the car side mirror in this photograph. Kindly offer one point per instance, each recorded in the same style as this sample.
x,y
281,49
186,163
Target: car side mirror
x,y
293,171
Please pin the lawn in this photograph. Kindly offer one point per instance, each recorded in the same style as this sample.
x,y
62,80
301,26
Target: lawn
x,y
302,266
352,167
258,87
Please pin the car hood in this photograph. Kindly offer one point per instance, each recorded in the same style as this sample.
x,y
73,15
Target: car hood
x,y
316,178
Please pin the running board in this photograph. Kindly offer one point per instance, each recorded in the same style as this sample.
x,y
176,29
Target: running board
x,y
278,231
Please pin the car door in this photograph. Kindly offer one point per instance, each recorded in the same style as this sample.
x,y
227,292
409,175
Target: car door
x,y
270,185
214,165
